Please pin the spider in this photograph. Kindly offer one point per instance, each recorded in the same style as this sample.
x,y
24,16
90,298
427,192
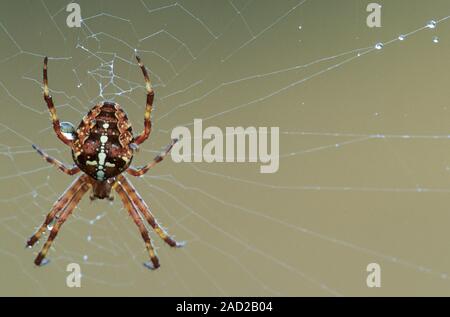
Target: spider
x,y
102,149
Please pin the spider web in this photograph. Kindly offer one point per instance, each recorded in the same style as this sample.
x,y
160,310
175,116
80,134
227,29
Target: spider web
x,y
363,173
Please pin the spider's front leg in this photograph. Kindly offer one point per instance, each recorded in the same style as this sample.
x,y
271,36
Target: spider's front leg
x,y
51,107
148,107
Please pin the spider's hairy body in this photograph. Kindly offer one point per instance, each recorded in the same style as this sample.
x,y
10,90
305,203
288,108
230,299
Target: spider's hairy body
x,y
102,148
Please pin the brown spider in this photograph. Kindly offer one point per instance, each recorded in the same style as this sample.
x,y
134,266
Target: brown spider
x,y
102,148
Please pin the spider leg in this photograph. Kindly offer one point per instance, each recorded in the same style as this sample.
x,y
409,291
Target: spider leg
x,y
142,170
61,166
148,108
64,215
59,205
138,221
145,210
51,107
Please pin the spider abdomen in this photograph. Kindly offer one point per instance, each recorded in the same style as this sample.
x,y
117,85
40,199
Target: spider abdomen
x,y
102,148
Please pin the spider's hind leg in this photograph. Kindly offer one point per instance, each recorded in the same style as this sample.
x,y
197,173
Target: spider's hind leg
x,y
59,205
154,264
40,259
145,210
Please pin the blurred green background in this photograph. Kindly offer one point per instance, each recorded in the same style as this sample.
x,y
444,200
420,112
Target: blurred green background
x,y
364,146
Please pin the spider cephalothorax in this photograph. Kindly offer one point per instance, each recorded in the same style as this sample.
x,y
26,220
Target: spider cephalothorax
x,y
102,148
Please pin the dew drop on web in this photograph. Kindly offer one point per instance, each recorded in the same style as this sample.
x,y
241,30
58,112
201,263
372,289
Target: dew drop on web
x,y
431,24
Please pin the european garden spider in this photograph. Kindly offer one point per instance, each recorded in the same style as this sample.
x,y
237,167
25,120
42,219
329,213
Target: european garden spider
x,y
102,148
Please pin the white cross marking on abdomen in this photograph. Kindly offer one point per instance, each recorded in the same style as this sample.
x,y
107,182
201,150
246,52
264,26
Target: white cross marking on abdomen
x,y
102,155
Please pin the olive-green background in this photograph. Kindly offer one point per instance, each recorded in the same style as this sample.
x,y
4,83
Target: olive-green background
x,y
341,199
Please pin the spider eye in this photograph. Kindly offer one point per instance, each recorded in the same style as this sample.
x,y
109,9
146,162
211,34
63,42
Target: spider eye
x,y
68,130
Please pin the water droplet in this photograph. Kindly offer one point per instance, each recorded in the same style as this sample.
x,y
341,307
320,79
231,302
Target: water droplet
x,y
89,238
50,227
431,24
435,39
149,265
85,257
68,130
379,46
34,194
299,27
401,37
45,261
